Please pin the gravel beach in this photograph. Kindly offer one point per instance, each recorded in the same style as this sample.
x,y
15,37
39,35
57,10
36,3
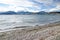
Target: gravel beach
x,y
46,32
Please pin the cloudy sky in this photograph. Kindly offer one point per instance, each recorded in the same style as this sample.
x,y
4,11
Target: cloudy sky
x,y
30,5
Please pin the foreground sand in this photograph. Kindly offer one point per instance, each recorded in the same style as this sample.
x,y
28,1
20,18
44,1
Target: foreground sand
x,y
47,32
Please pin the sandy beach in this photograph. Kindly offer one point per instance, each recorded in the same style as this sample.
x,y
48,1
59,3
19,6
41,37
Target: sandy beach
x,y
47,32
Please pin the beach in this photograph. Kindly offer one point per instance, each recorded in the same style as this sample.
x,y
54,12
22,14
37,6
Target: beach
x,y
47,32
29,19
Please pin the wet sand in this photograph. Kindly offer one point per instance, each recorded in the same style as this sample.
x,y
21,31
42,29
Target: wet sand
x,y
46,32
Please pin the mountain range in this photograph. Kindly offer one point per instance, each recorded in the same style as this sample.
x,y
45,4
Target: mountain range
x,y
26,13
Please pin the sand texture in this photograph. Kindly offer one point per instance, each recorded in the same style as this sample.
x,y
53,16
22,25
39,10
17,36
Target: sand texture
x,y
33,33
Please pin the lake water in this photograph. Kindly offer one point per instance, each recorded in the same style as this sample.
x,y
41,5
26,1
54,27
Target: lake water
x,y
10,21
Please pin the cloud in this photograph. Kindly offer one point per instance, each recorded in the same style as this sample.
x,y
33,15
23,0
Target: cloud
x,y
15,4
48,5
45,2
28,5
57,8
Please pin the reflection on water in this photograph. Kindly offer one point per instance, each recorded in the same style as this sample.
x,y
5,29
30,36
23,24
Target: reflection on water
x,y
8,21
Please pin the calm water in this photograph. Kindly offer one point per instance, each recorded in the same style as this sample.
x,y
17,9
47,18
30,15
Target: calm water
x,y
10,21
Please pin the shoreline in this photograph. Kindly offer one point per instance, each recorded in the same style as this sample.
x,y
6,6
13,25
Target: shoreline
x,y
46,32
31,27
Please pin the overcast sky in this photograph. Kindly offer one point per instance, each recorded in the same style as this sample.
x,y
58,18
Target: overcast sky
x,y
30,5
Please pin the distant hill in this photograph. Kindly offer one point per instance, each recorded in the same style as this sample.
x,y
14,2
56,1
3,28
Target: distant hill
x,y
54,12
42,12
22,13
32,13
7,13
